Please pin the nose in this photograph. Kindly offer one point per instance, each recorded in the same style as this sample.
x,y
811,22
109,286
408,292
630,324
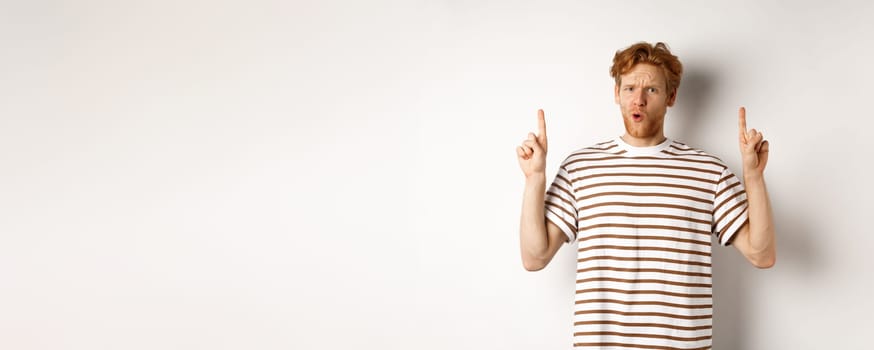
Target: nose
x,y
639,99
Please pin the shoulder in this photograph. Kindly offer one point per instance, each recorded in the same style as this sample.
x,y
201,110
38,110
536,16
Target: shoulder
x,y
609,147
595,151
682,150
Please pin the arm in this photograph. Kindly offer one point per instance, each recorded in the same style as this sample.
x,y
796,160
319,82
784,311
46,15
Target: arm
x,y
539,239
756,238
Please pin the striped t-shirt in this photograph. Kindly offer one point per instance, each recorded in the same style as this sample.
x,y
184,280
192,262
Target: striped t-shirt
x,y
642,220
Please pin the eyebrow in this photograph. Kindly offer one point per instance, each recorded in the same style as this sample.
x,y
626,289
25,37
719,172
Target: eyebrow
x,y
657,85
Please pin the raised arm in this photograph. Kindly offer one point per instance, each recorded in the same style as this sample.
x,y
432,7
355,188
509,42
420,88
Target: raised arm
x,y
756,239
539,238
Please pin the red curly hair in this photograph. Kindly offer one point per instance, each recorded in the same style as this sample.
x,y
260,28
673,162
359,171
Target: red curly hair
x,y
657,55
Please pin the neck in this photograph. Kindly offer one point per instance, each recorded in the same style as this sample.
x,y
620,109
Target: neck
x,y
643,141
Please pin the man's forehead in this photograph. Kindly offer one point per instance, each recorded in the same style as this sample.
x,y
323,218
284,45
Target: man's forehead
x,y
643,73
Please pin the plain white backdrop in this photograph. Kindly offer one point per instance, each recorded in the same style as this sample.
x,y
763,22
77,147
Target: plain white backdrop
x,y
342,174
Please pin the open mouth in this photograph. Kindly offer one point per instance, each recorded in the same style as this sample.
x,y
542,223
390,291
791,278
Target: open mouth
x,y
637,117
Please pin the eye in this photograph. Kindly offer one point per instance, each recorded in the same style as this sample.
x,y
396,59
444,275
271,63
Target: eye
x,y
652,90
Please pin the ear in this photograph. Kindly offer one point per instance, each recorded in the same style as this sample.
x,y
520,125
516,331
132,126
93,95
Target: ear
x,y
672,98
616,93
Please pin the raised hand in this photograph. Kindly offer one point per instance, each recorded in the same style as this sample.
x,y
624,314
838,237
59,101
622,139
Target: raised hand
x,y
753,147
532,152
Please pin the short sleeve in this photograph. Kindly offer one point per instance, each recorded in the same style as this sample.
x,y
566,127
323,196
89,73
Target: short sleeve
x,y
560,204
729,207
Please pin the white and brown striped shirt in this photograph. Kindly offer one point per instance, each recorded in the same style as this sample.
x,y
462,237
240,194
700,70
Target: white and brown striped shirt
x,y
642,220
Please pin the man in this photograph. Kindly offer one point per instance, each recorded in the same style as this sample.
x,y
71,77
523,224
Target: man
x,y
641,209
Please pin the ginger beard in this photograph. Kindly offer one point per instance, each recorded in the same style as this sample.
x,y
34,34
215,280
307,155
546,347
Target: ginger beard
x,y
643,100
644,126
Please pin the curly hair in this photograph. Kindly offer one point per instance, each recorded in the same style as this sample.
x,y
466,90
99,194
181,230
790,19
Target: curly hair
x,y
643,52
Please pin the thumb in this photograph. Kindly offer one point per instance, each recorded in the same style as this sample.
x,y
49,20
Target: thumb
x,y
763,153
534,145
537,141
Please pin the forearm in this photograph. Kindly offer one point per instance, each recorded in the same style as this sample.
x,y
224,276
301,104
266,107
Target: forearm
x,y
532,228
761,222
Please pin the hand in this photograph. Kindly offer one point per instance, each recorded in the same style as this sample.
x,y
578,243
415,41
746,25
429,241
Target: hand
x,y
532,152
753,147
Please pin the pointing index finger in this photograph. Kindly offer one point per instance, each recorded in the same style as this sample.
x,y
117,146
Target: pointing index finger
x,y
742,122
541,125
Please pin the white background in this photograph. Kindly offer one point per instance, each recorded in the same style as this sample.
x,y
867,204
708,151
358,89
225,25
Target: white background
x,y
338,175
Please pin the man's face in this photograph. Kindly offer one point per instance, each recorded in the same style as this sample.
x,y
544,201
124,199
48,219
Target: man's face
x,y
643,98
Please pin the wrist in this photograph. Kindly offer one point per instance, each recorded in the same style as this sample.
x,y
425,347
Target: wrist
x,y
753,176
535,178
